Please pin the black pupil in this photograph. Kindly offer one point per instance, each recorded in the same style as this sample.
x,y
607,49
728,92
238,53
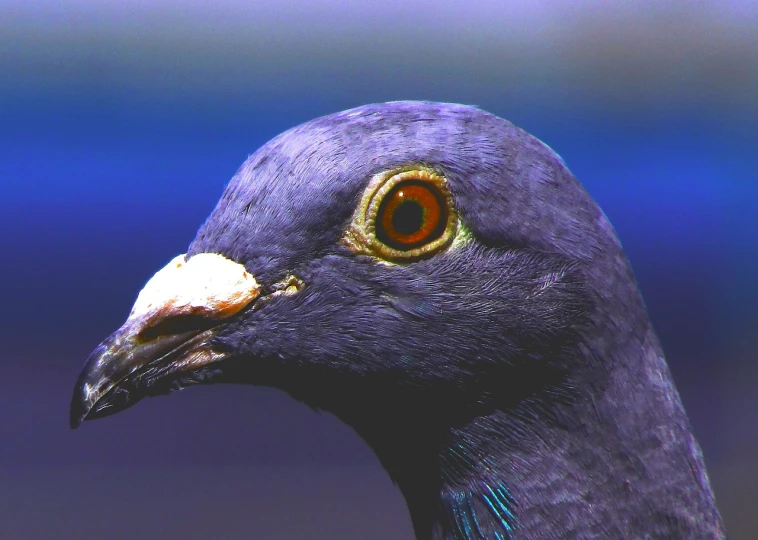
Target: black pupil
x,y
408,217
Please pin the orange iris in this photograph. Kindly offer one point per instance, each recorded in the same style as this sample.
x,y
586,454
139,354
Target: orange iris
x,y
410,215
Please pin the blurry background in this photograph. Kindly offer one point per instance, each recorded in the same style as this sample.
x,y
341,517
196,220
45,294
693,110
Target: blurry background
x,y
121,122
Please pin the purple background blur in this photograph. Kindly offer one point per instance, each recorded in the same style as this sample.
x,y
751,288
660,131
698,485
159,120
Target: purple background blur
x,y
120,123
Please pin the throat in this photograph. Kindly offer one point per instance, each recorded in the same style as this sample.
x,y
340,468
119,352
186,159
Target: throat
x,y
456,485
475,500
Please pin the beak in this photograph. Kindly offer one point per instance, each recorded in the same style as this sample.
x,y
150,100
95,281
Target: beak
x,y
167,335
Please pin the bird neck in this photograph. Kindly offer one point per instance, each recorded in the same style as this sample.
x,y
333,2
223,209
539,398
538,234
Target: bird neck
x,y
577,468
459,483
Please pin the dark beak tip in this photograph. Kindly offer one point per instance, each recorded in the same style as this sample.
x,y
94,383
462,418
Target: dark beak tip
x,y
78,411
81,407
92,375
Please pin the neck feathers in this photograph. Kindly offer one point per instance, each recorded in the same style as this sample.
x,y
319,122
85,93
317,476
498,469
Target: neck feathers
x,y
568,469
482,512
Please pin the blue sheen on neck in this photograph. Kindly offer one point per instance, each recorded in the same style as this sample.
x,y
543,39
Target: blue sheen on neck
x,y
498,504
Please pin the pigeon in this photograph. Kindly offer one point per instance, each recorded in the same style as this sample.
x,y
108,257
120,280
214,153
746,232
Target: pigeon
x,y
436,278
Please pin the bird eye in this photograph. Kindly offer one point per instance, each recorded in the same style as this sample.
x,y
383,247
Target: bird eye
x,y
404,215
410,215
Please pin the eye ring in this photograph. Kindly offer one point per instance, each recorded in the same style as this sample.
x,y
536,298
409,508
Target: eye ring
x,y
404,215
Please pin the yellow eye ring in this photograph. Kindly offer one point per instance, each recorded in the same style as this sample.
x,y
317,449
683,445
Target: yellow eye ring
x,y
404,215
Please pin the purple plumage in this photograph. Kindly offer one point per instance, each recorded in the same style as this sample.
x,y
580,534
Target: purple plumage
x,y
509,381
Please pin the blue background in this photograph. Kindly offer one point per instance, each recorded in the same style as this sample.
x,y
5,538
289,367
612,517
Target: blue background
x,y
120,124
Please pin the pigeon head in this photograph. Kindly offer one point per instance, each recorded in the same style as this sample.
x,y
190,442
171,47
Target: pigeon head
x,y
436,278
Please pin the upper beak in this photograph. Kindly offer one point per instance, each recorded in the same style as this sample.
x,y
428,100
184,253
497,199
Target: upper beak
x,y
167,333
